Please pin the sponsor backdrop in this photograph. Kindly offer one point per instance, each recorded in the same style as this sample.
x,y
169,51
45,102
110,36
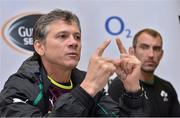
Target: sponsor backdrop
x,y
100,19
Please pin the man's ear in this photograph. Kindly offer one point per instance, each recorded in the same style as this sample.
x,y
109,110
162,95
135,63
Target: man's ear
x,y
162,54
39,47
131,51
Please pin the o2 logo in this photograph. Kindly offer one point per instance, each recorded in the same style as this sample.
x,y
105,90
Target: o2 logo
x,y
120,27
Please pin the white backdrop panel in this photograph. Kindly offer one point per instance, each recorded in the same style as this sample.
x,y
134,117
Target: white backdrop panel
x,y
161,15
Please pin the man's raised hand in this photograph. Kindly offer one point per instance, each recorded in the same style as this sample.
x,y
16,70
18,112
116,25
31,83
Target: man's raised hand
x,y
99,70
128,68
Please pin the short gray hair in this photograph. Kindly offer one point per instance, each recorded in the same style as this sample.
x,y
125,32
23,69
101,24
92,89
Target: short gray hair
x,y
40,29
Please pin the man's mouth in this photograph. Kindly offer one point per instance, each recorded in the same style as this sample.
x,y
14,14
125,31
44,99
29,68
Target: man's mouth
x,y
150,63
72,54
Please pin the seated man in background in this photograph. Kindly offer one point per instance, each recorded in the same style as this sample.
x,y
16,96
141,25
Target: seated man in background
x,y
49,84
162,97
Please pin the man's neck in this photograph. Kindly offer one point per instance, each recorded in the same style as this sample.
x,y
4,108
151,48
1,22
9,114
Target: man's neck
x,y
147,77
57,73
60,76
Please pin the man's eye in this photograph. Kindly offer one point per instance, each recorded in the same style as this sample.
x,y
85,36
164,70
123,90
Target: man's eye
x,y
62,36
77,37
144,47
157,49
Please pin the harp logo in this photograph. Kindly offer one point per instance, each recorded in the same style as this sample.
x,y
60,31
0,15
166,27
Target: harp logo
x,y
17,32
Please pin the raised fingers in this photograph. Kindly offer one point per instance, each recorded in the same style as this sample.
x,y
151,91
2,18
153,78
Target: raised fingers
x,y
102,47
121,47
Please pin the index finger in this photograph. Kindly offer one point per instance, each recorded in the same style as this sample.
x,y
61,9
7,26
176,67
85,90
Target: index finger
x,y
121,47
102,47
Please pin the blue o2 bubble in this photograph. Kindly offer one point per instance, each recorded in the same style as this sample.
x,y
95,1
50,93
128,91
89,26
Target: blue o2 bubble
x,y
121,25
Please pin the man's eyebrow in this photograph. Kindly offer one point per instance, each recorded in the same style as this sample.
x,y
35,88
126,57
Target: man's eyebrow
x,y
61,32
77,33
143,44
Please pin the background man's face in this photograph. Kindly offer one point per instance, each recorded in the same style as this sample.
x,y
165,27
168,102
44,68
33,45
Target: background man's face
x,y
149,51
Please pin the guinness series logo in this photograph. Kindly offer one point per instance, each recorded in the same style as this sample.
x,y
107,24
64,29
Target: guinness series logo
x,y
17,32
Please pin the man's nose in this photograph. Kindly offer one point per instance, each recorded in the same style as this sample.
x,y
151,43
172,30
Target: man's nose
x,y
72,42
151,52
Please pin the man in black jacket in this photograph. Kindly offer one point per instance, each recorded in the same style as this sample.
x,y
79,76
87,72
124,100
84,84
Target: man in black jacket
x,y
162,97
49,84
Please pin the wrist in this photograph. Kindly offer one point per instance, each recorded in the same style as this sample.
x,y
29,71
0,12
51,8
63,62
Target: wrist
x,y
134,95
88,89
132,89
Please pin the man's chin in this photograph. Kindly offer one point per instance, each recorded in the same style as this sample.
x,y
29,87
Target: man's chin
x,y
148,70
72,65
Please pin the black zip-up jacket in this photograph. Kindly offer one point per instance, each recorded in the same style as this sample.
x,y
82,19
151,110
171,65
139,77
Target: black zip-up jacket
x,y
25,94
161,96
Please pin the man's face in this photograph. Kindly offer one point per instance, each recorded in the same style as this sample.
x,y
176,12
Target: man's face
x,y
62,46
149,51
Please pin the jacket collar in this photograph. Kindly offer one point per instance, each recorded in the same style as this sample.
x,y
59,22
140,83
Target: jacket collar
x,y
32,69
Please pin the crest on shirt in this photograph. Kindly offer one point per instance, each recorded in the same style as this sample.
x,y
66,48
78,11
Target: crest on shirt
x,y
164,95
